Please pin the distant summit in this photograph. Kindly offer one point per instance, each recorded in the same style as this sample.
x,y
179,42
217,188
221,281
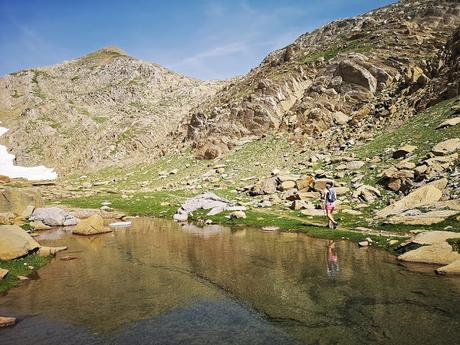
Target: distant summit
x,y
105,55
110,106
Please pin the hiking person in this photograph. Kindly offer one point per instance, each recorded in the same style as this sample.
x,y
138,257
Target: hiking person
x,y
330,198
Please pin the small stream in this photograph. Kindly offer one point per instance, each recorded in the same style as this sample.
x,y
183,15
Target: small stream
x,y
160,283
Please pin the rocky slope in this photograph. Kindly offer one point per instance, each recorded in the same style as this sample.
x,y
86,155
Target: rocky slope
x,y
329,90
346,80
100,109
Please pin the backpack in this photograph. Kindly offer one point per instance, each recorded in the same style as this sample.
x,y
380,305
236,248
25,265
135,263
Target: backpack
x,y
331,196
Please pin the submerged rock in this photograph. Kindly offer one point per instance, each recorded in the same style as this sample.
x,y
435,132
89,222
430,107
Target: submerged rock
x,y
93,225
48,251
120,224
452,268
7,321
38,225
270,228
438,253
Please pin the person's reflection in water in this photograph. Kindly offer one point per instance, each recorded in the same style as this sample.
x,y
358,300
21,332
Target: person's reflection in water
x,y
332,260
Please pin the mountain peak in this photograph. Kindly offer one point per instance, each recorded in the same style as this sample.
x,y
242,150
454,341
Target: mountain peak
x,y
104,55
111,50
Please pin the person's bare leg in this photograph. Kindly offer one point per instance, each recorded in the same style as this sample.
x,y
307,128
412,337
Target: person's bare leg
x,y
331,218
330,223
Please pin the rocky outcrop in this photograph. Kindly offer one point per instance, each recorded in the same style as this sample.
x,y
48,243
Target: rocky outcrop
x,y
449,122
367,193
15,242
266,186
419,218
353,73
340,81
447,147
421,196
403,151
18,200
205,201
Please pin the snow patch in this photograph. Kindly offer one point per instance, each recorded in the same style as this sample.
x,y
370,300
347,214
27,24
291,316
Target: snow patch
x,y
8,168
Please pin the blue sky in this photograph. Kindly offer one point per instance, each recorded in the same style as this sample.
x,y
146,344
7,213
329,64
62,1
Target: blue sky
x,y
200,38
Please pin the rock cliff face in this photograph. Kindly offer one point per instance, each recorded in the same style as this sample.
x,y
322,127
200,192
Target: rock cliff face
x,y
343,81
96,110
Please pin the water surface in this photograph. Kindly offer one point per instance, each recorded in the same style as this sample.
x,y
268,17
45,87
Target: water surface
x,y
160,283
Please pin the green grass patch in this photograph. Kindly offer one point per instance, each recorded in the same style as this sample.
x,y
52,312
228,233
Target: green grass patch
x,y
165,204
450,224
420,130
100,119
356,46
299,223
455,243
20,267
158,204
137,81
102,56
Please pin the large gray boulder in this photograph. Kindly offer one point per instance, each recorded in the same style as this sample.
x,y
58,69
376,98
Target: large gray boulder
x,y
353,73
15,242
205,201
53,216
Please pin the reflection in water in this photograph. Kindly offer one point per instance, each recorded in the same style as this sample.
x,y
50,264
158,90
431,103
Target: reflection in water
x,y
160,283
332,260
204,231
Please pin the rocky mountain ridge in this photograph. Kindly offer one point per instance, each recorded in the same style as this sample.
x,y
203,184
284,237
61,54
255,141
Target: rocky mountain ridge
x,y
345,80
97,110
328,90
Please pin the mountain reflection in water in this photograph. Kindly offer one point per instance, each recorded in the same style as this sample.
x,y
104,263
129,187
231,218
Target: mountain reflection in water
x,y
161,283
